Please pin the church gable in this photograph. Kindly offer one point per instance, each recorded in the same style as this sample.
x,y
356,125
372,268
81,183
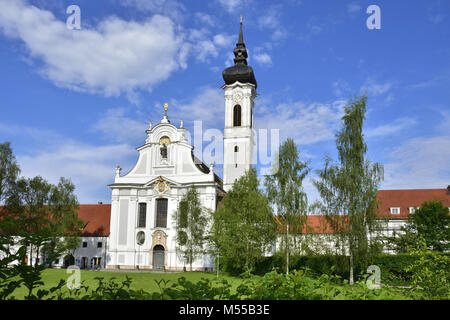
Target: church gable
x,y
166,153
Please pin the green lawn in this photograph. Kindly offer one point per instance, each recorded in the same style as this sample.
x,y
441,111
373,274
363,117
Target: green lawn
x,y
140,280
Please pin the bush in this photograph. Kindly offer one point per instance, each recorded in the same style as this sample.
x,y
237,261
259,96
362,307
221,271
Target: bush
x,y
431,273
393,267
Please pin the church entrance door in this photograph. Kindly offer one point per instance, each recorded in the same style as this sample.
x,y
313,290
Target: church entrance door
x,y
158,257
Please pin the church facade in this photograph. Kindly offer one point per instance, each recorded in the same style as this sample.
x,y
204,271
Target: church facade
x,y
144,201
137,230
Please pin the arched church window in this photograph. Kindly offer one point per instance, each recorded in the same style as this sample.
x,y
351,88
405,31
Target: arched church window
x,y
237,116
236,149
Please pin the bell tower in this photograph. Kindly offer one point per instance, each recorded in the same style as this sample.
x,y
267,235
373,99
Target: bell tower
x,y
240,92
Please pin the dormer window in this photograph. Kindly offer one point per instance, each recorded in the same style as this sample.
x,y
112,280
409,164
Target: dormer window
x,y
395,210
412,209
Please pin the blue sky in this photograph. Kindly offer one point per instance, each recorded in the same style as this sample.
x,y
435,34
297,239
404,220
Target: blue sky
x,y
75,103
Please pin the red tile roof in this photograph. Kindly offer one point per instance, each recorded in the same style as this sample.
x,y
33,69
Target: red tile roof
x,y
404,199
97,218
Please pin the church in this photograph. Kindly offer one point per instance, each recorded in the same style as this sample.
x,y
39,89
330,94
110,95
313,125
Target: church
x,y
137,231
142,231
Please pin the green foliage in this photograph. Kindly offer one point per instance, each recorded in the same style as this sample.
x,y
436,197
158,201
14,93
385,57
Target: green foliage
x,y
393,268
243,227
9,170
432,222
431,273
299,285
191,220
284,189
348,189
317,264
37,207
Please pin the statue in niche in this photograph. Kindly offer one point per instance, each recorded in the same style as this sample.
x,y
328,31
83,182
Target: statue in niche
x,y
164,151
164,142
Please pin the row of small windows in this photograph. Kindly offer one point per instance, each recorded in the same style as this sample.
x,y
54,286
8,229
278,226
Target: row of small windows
x,y
161,214
396,210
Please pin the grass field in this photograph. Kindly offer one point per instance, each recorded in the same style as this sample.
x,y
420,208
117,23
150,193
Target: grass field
x,y
140,280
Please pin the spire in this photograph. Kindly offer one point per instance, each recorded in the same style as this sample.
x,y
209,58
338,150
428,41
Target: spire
x,y
241,36
240,52
241,71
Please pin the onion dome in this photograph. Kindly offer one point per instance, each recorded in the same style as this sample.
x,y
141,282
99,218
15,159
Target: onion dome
x,y
240,71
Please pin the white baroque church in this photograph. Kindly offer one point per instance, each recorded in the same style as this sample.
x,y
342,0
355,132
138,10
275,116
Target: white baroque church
x,y
142,231
136,231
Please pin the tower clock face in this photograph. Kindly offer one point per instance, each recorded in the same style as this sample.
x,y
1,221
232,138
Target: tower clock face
x,y
237,97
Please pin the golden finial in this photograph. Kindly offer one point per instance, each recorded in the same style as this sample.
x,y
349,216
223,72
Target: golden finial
x,y
241,18
166,105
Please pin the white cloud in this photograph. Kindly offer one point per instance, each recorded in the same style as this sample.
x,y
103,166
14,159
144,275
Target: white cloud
x,y
117,127
89,167
231,5
116,56
112,58
263,58
305,123
207,106
52,155
390,128
171,8
419,163
375,89
204,18
224,40
271,20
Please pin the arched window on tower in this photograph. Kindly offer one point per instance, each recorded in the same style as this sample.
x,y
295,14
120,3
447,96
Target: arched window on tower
x,y
237,116
236,149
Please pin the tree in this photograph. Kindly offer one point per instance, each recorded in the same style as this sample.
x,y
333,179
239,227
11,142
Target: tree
x,y
64,225
42,210
190,222
244,228
348,189
9,170
284,190
431,222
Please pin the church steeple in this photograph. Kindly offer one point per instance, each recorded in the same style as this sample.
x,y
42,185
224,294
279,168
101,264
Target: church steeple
x,y
240,71
240,93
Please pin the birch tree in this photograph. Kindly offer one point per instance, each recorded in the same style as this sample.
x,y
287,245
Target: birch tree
x,y
244,227
191,221
284,189
348,188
